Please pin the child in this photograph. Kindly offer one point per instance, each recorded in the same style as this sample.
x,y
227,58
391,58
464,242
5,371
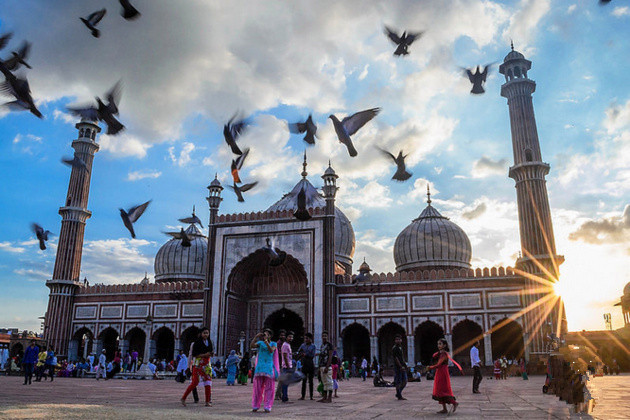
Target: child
x,y
497,369
334,365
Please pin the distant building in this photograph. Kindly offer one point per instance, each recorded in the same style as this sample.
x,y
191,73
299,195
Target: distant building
x,y
225,280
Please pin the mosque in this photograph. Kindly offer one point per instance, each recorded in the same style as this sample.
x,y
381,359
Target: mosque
x,y
224,280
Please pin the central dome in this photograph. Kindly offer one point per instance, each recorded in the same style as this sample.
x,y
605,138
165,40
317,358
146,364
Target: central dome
x,y
432,242
173,262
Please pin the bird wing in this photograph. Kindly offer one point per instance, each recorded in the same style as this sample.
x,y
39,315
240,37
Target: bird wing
x,y
129,12
113,125
113,97
4,39
352,123
239,160
11,63
470,75
412,36
392,35
247,187
88,113
7,89
135,212
238,128
96,17
386,153
37,229
23,51
297,128
485,71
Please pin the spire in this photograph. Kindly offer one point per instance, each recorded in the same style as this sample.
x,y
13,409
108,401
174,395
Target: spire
x,y
304,173
512,44
193,210
428,195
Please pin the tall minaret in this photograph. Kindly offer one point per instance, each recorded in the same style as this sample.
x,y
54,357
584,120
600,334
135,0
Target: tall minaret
x,y
65,279
329,304
529,171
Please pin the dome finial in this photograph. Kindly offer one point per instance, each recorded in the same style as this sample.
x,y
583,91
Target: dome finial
x,y
193,210
428,195
512,44
304,173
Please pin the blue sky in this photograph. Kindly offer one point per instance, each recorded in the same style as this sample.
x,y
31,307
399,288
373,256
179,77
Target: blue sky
x,y
187,69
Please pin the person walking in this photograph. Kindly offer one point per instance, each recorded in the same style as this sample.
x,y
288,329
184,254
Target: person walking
x,y
51,363
202,369
189,373
40,367
266,372
442,391
334,365
282,335
231,365
28,362
523,368
287,364
102,366
325,359
306,354
475,362
400,367
134,360
364,368
182,365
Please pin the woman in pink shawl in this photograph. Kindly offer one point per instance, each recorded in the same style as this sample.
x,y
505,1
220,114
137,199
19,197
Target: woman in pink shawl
x,y
266,372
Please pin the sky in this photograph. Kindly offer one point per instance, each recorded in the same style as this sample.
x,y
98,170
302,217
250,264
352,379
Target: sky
x,y
187,67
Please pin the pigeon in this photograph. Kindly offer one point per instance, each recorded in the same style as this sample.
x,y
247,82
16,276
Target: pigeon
x,y
232,130
132,215
128,11
192,219
604,2
302,212
42,235
4,39
276,256
401,172
92,20
103,112
307,127
478,78
183,236
18,87
403,42
239,190
19,58
237,165
75,162
350,125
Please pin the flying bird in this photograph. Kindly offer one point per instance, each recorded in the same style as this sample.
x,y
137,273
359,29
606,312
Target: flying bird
x,y
478,78
237,165
401,171
240,190
103,112
307,127
350,125
192,219
92,20
75,162
4,39
19,57
276,256
183,236
18,88
232,130
42,235
402,42
302,212
132,215
128,11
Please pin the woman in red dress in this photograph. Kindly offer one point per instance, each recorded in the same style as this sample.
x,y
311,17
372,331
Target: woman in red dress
x,y
442,391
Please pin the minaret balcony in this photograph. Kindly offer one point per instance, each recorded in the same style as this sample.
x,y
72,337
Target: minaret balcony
x,y
518,87
528,171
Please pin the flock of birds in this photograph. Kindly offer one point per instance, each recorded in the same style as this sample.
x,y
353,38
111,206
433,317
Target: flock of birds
x,y
17,87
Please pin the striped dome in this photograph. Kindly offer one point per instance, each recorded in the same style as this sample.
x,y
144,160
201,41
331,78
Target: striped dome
x,y
174,262
432,242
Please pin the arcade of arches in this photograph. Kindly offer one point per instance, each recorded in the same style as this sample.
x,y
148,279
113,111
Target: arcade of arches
x,y
425,341
356,342
164,343
253,283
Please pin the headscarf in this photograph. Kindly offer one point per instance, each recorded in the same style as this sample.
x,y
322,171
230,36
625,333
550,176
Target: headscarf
x,y
232,359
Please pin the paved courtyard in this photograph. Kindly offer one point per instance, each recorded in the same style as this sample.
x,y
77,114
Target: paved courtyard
x,y
148,399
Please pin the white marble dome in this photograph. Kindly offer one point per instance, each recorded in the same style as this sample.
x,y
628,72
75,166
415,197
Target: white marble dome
x,y
344,234
432,241
174,262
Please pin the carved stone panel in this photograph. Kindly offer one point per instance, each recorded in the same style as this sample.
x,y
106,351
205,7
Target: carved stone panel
x,y
355,305
137,311
165,310
503,299
192,309
394,303
85,312
111,312
465,300
425,302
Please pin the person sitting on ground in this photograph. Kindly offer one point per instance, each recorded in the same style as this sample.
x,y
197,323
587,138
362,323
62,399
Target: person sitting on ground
x,y
380,382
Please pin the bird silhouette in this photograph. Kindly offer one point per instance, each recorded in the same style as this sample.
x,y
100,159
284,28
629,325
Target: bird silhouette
x,y
232,130
5,38
401,171
42,235
276,256
237,165
307,127
350,125
181,235
478,78
75,162
402,42
192,219
18,88
92,20
240,190
132,215
19,57
103,112
302,212
128,11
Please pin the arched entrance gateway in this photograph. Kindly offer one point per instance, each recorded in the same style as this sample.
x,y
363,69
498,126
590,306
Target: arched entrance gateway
x,y
109,342
81,345
164,344
356,342
285,319
507,339
136,338
386,336
425,338
259,294
465,333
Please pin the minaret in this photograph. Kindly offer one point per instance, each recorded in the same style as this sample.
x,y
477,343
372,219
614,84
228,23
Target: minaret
x,y
65,280
537,240
329,307
214,200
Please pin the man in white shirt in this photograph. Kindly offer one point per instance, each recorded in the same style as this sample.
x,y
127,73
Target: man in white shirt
x,y
102,366
475,362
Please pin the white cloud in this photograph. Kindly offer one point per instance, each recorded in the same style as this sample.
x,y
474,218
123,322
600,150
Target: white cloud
x,y
485,167
571,8
114,261
184,155
621,11
524,22
30,137
63,116
372,195
138,175
10,247
419,190
123,145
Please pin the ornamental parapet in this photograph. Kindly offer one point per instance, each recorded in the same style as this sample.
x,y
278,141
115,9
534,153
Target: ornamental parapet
x,y
266,215
104,289
424,275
